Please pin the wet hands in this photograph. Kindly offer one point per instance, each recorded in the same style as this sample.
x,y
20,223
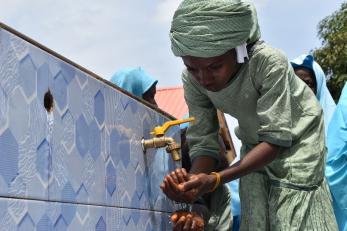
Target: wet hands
x,y
183,187
170,186
187,221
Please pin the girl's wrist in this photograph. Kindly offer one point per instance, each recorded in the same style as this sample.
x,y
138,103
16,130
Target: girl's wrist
x,y
216,180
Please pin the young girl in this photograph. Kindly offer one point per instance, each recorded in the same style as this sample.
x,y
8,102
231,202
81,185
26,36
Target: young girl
x,y
312,74
282,185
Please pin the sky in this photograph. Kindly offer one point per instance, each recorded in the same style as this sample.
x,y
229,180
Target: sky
x,y
106,35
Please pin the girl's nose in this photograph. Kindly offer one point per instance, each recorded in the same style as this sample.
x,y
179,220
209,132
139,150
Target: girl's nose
x,y
204,79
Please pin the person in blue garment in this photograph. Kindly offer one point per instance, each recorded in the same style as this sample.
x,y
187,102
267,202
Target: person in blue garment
x,y
336,168
138,82
312,74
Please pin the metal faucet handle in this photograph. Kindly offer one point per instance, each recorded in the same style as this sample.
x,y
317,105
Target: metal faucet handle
x,y
160,130
174,150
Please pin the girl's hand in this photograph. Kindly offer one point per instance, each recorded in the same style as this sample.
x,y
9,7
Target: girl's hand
x,y
170,186
187,221
198,184
183,187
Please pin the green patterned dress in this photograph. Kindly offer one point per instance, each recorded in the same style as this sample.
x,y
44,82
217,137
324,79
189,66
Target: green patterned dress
x,y
272,105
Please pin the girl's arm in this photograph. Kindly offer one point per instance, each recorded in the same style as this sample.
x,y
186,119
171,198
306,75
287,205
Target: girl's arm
x,y
261,155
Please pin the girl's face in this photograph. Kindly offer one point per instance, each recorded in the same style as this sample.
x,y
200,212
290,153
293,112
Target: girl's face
x,y
213,73
306,76
149,95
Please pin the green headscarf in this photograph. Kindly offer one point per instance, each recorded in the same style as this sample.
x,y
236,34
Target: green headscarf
x,y
208,28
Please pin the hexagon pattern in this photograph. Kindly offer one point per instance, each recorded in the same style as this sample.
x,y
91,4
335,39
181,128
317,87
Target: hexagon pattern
x,y
9,156
82,136
27,71
82,166
99,218
60,91
99,106
43,160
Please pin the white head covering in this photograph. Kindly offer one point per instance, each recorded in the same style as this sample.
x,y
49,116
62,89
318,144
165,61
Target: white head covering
x,y
241,53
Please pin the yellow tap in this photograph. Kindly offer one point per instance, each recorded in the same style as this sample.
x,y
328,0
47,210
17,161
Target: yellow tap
x,y
160,130
159,140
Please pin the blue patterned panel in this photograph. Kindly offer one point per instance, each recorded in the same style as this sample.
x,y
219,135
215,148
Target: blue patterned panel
x,y
68,71
8,64
3,109
106,127
43,77
138,176
60,91
27,215
27,71
23,123
111,178
86,154
99,106
19,108
43,160
120,146
94,140
9,157
82,136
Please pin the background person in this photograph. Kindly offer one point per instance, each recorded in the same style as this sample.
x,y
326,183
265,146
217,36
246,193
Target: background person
x,y
336,168
137,82
312,74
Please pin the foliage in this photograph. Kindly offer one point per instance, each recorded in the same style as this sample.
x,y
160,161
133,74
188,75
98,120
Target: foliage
x,y
332,55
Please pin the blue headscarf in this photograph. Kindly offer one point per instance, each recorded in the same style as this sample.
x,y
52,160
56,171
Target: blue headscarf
x,y
323,95
336,169
134,80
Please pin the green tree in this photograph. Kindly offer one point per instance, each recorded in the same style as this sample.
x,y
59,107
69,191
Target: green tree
x,y
332,55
